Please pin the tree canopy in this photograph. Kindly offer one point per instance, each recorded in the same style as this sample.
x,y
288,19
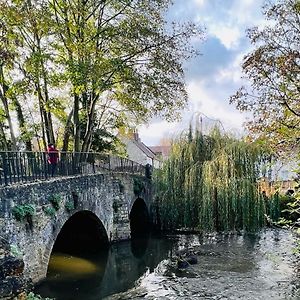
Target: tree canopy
x,y
273,68
72,71
209,182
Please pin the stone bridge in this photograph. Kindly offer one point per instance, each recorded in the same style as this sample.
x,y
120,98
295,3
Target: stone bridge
x,y
66,214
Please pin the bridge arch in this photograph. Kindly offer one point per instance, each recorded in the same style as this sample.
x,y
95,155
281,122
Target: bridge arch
x,y
139,218
82,232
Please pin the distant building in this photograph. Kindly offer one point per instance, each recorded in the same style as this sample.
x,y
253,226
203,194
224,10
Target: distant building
x,y
280,186
282,178
162,152
137,150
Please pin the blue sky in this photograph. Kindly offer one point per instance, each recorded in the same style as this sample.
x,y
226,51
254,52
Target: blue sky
x,y
216,74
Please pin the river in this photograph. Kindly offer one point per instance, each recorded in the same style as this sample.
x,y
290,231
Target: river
x,y
254,266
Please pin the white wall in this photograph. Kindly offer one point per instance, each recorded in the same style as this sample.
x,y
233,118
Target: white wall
x,y
135,153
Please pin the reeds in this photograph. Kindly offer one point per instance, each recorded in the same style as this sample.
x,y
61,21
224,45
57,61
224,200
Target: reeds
x,y
210,183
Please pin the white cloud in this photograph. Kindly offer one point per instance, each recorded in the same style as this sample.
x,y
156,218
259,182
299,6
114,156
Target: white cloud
x,y
201,101
229,36
151,134
233,73
246,12
229,22
199,2
205,102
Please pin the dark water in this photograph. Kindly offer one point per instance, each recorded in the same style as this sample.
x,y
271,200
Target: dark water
x,y
260,266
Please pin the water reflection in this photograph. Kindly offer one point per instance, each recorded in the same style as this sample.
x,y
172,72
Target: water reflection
x,y
255,266
71,277
112,271
70,265
139,246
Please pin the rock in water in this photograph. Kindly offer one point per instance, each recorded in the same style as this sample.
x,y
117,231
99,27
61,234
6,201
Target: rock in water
x,y
192,259
182,264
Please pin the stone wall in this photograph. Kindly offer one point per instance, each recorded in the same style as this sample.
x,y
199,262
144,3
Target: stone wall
x,y
12,280
109,197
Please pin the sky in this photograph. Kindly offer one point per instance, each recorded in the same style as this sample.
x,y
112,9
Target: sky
x,y
215,75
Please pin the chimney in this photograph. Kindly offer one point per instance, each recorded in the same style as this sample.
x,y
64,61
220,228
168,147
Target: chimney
x,y
136,136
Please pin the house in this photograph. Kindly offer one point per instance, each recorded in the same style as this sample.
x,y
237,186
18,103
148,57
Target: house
x,y
137,150
280,186
282,177
162,152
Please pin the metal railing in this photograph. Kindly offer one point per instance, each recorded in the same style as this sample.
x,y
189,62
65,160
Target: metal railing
x,y
22,167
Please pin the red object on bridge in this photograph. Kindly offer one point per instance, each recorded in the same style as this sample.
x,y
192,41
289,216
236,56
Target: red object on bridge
x,y
52,154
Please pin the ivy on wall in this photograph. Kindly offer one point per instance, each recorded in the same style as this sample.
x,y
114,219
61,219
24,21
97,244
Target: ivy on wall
x,y
138,186
23,211
55,200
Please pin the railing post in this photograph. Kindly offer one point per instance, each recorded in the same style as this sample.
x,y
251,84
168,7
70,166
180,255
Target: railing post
x,y
74,164
5,168
25,166
93,162
45,163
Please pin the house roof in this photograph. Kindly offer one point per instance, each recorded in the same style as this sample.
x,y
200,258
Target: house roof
x,y
144,148
134,138
163,150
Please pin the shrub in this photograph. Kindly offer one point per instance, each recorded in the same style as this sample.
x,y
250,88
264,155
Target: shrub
x,y
32,296
290,208
55,200
138,186
22,212
69,206
50,211
15,251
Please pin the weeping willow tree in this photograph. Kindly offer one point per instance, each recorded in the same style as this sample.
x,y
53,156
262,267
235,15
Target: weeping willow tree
x,y
209,183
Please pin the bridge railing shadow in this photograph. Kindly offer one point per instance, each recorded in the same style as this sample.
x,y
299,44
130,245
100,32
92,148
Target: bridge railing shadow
x,y
25,166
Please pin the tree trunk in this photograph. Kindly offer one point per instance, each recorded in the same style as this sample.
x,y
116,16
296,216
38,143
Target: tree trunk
x,y
42,114
89,127
76,124
49,128
46,111
68,131
22,123
6,110
3,137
